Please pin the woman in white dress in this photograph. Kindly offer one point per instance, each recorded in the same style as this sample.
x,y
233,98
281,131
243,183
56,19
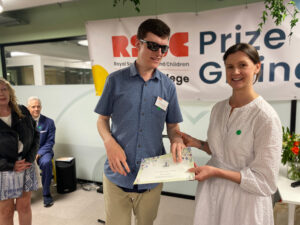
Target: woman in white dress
x,y
19,141
244,139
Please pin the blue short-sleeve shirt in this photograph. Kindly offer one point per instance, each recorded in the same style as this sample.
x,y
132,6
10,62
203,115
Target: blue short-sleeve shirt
x,y
136,123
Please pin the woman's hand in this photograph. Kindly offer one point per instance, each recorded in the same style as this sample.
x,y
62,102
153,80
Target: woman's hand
x,y
21,165
203,172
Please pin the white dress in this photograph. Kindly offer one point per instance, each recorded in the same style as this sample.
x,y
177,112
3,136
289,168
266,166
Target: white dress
x,y
248,141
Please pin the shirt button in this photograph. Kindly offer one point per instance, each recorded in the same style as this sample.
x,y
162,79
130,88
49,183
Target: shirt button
x,y
144,99
139,146
145,84
142,113
141,130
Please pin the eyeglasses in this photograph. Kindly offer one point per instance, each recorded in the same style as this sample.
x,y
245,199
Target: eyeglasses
x,y
4,89
154,46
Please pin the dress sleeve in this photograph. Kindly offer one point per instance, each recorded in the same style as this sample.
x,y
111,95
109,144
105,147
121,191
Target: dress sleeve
x,y
260,177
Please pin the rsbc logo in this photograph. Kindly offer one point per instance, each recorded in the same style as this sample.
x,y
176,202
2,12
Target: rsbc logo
x,y
176,43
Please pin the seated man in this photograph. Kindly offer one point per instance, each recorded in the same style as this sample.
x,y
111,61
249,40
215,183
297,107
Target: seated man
x,y
45,153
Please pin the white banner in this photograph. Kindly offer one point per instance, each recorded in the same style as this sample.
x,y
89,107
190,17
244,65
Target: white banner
x,y
197,44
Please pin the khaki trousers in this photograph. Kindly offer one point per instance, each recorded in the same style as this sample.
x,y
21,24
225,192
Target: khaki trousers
x,y
119,205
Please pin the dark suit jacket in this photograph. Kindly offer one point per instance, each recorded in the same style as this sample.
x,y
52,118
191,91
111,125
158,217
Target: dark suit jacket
x,y
46,128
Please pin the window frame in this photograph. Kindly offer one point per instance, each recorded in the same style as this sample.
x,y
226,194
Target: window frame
x,y
3,45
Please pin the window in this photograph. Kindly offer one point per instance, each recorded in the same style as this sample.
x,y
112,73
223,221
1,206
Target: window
x,y
67,75
62,61
20,75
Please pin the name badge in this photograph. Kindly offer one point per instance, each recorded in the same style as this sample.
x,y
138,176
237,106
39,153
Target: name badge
x,y
161,103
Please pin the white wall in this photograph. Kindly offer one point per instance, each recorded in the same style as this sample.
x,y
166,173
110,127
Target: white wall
x,y
72,108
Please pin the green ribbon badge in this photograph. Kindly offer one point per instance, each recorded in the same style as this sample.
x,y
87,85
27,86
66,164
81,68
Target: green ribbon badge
x,y
238,132
158,108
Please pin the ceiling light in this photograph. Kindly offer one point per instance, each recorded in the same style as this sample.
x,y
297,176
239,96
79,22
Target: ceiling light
x,y
13,54
1,6
83,42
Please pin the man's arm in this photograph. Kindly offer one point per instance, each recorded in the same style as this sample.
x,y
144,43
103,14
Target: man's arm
x,y
176,141
115,154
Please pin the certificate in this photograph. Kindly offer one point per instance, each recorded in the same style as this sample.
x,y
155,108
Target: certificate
x,y
163,169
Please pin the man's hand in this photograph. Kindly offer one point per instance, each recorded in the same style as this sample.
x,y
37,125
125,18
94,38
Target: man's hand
x,y
176,141
176,148
116,157
21,165
115,154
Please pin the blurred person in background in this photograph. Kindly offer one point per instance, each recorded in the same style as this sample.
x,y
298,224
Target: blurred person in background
x,y
45,153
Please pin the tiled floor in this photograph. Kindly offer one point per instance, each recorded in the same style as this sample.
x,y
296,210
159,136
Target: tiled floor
x,y
86,207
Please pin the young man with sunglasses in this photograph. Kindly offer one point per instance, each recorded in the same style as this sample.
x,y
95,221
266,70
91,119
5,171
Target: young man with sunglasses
x,y
138,100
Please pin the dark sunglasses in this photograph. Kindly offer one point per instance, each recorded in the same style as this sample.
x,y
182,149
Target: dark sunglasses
x,y
154,46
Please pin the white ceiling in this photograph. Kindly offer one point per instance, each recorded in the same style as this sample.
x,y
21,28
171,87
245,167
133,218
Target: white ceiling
x,y
10,5
65,49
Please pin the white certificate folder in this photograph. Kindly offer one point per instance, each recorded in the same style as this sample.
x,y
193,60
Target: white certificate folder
x,y
163,169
